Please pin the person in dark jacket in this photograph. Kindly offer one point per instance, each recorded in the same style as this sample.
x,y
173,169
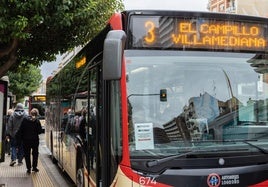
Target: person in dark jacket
x,y
28,134
13,125
83,123
7,141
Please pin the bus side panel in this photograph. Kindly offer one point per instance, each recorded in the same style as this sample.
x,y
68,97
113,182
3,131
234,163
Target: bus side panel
x,y
116,22
69,155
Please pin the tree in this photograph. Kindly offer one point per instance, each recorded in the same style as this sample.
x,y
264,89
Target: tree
x,y
25,80
35,31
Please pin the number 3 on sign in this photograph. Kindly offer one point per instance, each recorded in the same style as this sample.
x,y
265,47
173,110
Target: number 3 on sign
x,y
150,38
147,181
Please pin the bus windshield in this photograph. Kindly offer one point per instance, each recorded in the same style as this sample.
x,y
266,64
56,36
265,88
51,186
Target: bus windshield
x,y
181,100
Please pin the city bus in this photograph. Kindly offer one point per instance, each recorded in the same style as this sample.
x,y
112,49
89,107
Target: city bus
x,y
38,101
164,98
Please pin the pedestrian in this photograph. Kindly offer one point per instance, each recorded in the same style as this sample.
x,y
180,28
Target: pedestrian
x,y
28,134
13,126
83,123
7,140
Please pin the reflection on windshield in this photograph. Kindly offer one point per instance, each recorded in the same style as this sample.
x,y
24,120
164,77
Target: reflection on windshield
x,y
210,98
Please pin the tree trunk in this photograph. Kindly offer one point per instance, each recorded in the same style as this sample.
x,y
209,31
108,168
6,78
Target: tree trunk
x,y
11,54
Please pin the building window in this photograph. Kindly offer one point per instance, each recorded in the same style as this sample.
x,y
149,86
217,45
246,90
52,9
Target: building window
x,y
222,7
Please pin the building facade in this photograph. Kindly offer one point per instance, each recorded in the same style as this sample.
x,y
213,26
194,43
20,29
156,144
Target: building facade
x,y
245,7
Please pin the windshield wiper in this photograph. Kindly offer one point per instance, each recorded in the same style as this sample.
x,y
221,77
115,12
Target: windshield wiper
x,y
264,151
166,159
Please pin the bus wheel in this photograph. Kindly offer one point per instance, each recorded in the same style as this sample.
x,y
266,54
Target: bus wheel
x,y
80,177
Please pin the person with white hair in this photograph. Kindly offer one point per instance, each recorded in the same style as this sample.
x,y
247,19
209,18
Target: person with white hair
x,y
13,126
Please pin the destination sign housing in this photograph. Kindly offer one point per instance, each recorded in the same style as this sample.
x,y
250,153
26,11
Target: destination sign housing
x,y
198,33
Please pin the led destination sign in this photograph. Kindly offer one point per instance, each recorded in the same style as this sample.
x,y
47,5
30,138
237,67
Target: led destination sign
x,y
162,32
218,34
38,98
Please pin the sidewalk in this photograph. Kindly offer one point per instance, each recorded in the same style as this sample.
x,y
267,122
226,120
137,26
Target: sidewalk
x,y
17,176
49,175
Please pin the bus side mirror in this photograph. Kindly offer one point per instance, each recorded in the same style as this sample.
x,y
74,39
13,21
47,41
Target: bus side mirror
x,y
112,54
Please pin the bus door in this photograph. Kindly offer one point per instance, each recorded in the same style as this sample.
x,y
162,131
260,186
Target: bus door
x,y
73,139
58,133
68,151
93,138
3,106
65,116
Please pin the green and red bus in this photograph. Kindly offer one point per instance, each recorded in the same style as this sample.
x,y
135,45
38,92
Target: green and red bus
x,y
167,98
